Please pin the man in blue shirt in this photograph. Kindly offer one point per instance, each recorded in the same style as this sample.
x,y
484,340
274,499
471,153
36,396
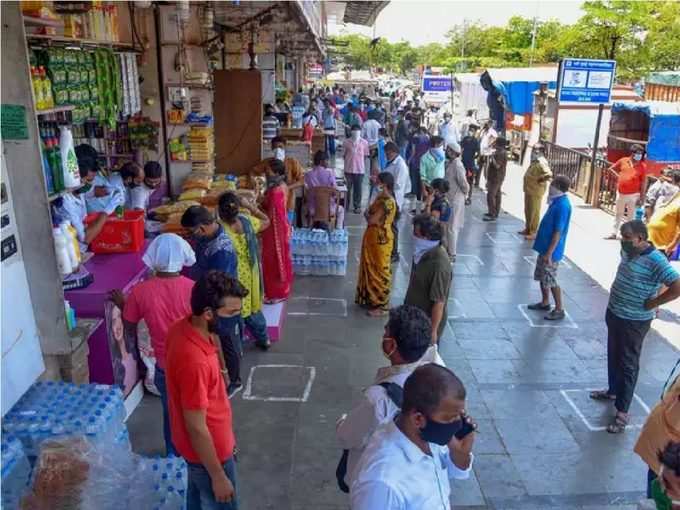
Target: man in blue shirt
x,y
549,243
215,251
633,299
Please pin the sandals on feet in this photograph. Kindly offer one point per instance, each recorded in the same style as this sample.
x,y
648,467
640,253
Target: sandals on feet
x,y
619,424
539,306
602,395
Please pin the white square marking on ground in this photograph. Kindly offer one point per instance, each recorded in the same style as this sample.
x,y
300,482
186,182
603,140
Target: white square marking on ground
x,y
514,238
567,322
479,261
531,260
247,393
586,422
318,302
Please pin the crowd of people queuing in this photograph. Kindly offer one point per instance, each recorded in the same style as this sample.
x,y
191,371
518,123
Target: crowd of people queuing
x,y
409,433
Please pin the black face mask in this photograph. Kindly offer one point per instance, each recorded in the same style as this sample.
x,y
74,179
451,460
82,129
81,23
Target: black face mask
x,y
440,433
84,189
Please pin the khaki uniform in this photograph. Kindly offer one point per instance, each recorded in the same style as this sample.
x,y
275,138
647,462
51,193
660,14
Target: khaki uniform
x,y
535,186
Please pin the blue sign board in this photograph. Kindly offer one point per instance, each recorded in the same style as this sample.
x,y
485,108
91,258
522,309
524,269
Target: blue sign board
x,y
437,84
586,81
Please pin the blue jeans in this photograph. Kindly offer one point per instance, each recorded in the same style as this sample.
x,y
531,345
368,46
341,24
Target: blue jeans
x,y
257,325
330,144
199,491
159,381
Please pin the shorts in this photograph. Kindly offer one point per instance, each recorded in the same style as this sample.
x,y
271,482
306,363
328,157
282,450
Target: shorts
x,y
546,273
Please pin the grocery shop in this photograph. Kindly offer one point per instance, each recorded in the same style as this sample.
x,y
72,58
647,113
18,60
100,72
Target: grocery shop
x,y
173,88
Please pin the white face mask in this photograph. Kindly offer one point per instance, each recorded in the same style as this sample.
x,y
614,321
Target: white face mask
x,y
356,135
422,246
279,154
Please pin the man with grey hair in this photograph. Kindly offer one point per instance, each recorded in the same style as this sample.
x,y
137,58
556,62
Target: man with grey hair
x,y
634,297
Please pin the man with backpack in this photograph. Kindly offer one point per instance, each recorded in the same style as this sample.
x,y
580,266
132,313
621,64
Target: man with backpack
x,y
406,344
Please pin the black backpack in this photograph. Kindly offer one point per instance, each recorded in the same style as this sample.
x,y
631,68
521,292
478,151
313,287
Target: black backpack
x,y
396,394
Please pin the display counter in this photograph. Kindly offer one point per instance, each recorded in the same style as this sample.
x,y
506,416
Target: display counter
x,y
115,271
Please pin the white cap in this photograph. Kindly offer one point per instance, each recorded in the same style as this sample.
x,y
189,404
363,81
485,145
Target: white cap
x,y
454,147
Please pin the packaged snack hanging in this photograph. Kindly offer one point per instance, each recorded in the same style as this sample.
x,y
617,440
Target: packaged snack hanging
x,y
69,160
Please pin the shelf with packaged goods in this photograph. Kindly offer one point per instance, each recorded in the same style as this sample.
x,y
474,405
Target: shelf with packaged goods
x,y
191,161
207,86
43,22
70,41
56,109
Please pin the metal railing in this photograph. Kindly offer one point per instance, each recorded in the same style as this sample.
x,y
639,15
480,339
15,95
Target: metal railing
x,y
607,186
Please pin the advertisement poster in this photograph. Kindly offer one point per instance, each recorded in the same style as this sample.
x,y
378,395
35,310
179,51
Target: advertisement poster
x,y
123,349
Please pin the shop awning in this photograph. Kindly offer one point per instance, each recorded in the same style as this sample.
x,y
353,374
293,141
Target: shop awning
x,y
363,13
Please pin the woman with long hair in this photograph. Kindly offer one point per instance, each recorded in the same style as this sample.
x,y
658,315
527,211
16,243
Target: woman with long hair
x,y
375,273
277,262
242,230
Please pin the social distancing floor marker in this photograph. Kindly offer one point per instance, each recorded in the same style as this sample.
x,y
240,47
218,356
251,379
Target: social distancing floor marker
x,y
531,260
248,395
567,322
462,314
514,238
475,257
586,422
320,301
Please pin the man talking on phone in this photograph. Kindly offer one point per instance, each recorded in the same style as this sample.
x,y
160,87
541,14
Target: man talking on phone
x,y
408,462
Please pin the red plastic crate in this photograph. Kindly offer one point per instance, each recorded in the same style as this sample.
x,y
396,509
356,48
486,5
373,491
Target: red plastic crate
x,y
119,235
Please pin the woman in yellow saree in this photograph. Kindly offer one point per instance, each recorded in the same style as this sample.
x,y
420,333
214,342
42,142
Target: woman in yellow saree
x,y
375,273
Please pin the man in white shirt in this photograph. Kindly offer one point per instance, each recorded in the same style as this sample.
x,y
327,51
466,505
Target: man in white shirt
x,y
487,148
406,344
408,462
470,119
448,130
371,131
138,195
402,185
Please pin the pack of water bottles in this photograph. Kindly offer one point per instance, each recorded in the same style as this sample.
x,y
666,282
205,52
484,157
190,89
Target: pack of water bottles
x,y
55,409
160,483
320,253
15,471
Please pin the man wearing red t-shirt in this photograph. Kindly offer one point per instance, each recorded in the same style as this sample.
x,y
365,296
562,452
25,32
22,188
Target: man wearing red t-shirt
x,y
632,186
200,413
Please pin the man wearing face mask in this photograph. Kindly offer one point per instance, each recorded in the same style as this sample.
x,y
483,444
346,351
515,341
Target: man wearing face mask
x,y
356,151
631,188
215,252
535,183
408,462
406,345
200,413
432,165
431,274
634,297
549,244
138,196
73,203
402,186
107,190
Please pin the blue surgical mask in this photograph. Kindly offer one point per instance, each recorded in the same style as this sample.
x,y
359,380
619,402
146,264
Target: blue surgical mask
x,y
440,433
438,154
229,326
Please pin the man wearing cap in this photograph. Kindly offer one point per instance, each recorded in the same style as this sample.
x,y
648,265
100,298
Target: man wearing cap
x,y
498,161
458,191
535,185
631,188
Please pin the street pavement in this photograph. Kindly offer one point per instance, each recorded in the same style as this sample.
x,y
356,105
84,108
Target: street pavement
x,y
541,443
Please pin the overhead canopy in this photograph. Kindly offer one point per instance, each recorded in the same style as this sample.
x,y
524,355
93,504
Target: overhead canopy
x,y
363,13
663,143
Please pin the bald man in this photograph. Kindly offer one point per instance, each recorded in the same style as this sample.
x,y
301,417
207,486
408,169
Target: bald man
x,y
408,462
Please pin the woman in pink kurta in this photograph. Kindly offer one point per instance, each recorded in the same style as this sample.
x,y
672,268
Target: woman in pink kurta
x,y
277,263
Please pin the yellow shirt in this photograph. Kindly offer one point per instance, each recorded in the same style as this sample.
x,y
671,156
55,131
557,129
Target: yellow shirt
x,y
664,225
534,179
248,277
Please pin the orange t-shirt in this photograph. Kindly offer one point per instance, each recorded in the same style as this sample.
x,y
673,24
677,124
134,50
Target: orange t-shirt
x,y
631,175
194,383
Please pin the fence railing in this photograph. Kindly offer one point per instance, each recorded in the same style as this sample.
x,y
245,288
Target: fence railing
x,y
576,165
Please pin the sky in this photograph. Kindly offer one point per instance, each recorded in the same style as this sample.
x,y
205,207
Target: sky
x,y
423,22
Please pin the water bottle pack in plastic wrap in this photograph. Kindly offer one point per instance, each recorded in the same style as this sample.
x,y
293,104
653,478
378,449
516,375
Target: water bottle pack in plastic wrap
x,y
53,409
15,471
320,253
75,474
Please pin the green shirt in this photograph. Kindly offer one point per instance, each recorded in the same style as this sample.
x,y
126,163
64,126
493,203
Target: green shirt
x,y
430,168
430,283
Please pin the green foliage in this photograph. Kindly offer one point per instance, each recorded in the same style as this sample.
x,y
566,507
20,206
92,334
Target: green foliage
x,y
642,36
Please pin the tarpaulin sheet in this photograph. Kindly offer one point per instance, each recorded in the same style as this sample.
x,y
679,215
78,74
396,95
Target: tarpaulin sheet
x,y
519,95
664,127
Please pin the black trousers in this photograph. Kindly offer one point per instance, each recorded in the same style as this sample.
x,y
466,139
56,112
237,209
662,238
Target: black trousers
x,y
355,185
232,347
395,232
624,343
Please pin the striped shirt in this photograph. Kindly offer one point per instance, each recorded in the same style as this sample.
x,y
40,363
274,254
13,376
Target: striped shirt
x,y
270,127
637,280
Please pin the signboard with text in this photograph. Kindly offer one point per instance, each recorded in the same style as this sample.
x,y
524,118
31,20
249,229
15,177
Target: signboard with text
x,y
437,84
586,81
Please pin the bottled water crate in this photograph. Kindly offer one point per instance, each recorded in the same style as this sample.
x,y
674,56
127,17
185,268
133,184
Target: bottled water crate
x,y
15,471
52,409
320,253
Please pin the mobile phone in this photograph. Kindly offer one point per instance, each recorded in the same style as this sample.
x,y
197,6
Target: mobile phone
x,y
467,427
